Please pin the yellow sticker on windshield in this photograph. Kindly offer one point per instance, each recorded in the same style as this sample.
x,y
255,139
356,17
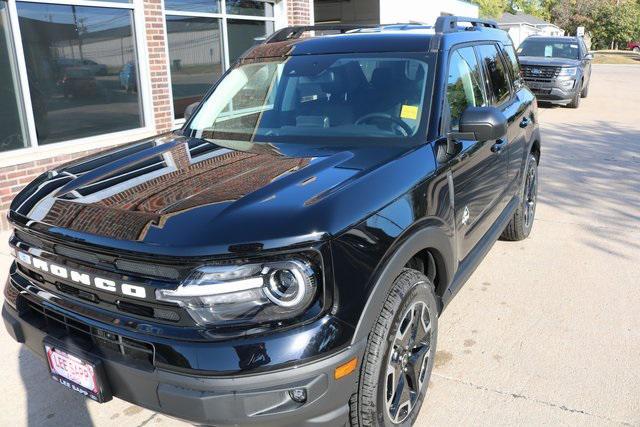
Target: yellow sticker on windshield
x,y
409,112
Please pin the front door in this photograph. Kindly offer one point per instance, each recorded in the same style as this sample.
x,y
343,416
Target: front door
x,y
480,168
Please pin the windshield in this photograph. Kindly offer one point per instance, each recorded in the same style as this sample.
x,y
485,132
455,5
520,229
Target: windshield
x,y
550,49
317,96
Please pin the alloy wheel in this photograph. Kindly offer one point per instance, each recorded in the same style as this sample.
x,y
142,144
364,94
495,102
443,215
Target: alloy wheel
x,y
407,362
530,196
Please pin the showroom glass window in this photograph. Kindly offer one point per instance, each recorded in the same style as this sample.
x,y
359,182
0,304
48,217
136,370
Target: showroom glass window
x,y
82,69
11,118
199,48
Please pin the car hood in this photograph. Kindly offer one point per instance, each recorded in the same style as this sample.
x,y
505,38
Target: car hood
x,y
178,195
544,61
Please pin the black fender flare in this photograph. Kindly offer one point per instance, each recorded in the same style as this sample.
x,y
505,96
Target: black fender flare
x,y
434,235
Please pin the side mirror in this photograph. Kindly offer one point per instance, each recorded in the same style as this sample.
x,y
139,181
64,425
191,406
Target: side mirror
x,y
188,112
484,123
588,56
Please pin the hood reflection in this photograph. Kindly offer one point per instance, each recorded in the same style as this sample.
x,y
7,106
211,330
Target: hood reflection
x,y
145,191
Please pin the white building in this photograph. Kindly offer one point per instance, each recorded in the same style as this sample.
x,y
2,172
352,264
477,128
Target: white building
x,y
389,11
520,26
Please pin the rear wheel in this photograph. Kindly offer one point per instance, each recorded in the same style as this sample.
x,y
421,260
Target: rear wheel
x,y
585,91
397,364
636,49
521,223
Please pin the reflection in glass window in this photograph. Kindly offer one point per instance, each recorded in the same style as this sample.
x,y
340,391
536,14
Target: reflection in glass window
x,y
249,7
464,85
195,53
11,120
82,70
244,34
497,73
208,6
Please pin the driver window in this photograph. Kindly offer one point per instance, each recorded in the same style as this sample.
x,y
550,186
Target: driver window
x,y
464,87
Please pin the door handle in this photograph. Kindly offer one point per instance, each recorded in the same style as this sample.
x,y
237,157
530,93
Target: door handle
x,y
525,122
498,146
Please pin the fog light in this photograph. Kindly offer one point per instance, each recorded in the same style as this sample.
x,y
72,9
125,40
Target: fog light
x,y
568,84
298,395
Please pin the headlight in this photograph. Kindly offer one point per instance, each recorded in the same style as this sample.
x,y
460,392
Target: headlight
x,y
250,293
568,71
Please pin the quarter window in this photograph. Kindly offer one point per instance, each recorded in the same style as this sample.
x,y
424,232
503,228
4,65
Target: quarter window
x,y
513,63
496,73
464,85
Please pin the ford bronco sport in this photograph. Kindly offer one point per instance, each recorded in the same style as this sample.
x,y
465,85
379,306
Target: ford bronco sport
x,y
284,257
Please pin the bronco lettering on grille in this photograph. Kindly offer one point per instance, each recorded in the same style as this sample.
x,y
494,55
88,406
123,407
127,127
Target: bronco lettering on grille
x,y
82,278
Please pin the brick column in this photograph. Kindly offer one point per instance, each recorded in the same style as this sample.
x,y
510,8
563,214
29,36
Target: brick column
x,y
157,53
299,12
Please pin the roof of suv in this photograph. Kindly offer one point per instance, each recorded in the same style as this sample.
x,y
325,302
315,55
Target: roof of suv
x,y
555,38
412,37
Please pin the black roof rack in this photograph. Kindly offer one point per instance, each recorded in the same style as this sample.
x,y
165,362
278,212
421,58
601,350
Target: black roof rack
x,y
449,24
295,32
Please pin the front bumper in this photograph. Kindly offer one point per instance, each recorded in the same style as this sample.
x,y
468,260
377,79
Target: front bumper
x,y
553,91
250,399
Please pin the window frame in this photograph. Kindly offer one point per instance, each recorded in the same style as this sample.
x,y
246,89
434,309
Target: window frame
x,y
37,151
223,16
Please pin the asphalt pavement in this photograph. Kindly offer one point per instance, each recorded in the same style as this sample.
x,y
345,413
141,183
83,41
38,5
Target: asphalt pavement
x,y
546,331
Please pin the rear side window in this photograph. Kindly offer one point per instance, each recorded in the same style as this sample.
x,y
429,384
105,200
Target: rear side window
x,y
513,64
496,71
464,84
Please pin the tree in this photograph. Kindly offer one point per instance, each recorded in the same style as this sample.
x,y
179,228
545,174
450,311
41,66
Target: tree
x,y
491,8
618,22
610,22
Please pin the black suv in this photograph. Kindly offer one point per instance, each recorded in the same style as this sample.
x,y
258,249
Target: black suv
x,y
284,257
556,69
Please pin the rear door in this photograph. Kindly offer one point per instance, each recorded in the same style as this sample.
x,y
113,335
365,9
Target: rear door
x,y
479,170
586,63
519,112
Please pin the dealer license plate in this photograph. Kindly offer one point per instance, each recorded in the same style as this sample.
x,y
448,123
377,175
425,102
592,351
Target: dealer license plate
x,y
74,372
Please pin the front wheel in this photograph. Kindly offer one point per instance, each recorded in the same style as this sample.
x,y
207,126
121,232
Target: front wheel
x,y
521,222
397,364
575,102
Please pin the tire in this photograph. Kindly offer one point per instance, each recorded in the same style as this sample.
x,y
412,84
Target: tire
x,y
585,91
575,102
636,49
376,402
521,222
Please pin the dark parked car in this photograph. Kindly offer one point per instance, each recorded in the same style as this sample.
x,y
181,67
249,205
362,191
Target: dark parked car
x,y
283,259
556,69
78,82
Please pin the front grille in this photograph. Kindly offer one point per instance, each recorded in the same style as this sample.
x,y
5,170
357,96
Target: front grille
x,y
95,340
539,73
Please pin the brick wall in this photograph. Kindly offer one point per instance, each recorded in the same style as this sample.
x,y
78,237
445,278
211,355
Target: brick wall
x,y
159,74
299,12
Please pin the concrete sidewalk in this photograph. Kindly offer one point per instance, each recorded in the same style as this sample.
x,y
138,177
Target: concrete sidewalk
x,y
547,331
